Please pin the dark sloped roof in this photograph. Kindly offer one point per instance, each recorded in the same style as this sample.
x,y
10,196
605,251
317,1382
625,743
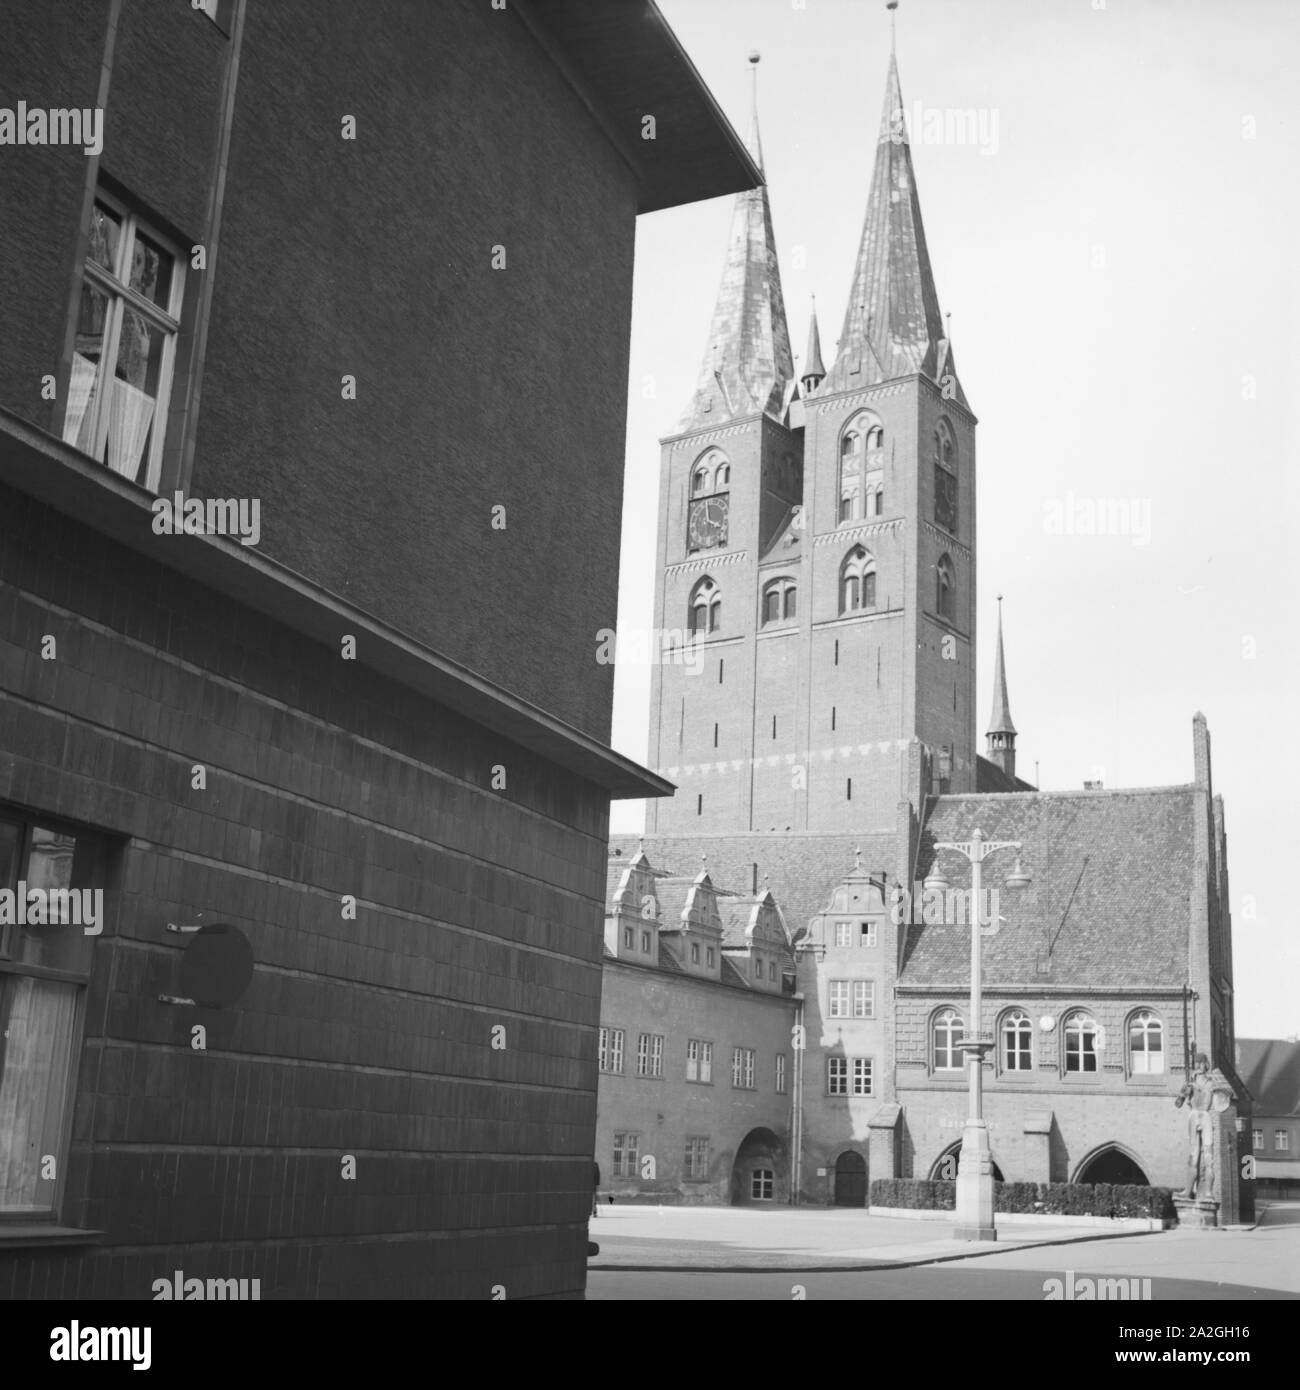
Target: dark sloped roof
x,y
1112,874
801,869
1270,1069
989,777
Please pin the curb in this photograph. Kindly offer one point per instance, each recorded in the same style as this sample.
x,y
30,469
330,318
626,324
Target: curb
x,y
979,1252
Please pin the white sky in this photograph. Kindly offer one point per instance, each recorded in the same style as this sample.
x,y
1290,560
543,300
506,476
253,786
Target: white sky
x,y
1166,376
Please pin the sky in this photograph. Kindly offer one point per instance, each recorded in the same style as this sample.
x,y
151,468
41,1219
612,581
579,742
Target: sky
x,y
1111,240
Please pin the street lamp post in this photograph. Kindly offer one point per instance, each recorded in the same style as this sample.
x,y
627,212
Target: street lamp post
x,y
975,1167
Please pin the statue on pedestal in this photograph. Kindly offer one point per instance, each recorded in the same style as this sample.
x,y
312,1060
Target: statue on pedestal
x,y
1207,1094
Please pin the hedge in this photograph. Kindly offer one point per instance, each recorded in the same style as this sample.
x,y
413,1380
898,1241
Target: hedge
x,y
1039,1198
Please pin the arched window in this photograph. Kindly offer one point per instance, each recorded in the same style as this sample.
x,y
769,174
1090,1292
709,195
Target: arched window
x,y
778,600
860,451
705,608
1146,1044
1017,1042
1080,1035
945,477
945,600
712,474
946,1034
857,581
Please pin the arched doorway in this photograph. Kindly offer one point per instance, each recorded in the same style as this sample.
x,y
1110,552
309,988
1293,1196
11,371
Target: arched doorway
x,y
850,1180
1114,1165
759,1173
944,1168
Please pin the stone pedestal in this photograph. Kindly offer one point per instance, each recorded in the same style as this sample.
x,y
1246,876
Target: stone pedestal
x,y
1196,1213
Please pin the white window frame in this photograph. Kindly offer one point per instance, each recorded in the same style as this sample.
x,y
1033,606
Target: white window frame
x,y
864,999
780,1073
837,1076
610,1052
837,999
864,1076
762,1185
166,320
866,934
1147,1023
1281,1141
1256,1139
844,933
742,1068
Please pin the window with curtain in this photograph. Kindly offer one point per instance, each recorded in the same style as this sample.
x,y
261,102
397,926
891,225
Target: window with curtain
x,y
44,970
128,319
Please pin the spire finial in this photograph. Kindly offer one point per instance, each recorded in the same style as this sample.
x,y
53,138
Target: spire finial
x,y
892,7
755,140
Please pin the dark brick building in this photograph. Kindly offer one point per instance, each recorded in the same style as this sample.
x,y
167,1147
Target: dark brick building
x,y
340,268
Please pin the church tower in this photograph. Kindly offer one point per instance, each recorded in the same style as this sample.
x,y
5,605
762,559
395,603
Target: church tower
x,y
841,565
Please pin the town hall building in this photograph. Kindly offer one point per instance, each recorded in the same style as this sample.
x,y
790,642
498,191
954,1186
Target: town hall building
x,y
817,546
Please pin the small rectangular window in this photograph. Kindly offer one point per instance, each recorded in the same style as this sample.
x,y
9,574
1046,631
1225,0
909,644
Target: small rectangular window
x,y
1281,1141
629,938
868,934
837,1076
862,1076
839,999
762,1185
710,957
645,942
124,354
832,719
1256,1138
697,1158
864,999
848,790
715,735
780,1073
695,952
719,670
844,933
699,803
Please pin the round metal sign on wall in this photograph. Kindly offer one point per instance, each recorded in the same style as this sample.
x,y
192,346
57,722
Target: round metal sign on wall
x,y
217,966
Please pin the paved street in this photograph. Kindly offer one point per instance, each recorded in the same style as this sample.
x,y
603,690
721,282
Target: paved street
x,y
739,1253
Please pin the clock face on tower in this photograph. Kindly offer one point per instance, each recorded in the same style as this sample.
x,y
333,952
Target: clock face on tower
x,y
706,525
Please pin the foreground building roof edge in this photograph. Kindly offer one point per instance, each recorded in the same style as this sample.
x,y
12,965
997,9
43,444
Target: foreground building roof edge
x,y
41,466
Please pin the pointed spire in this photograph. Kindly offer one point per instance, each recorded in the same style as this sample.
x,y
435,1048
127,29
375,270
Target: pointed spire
x,y
813,371
1001,721
892,326
1001,736
747,362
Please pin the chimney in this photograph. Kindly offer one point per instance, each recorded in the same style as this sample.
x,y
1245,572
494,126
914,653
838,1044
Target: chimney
x,y
1092,787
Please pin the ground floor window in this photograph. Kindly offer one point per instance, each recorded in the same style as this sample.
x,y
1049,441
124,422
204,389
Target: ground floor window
x,y
762,1184
52,880
626,1147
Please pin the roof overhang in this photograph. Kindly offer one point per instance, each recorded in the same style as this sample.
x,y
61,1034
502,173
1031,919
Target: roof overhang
x,y
41,466
626,64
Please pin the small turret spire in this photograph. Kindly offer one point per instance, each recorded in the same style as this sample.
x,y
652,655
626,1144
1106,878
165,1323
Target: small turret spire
x,y
813,371
1001,736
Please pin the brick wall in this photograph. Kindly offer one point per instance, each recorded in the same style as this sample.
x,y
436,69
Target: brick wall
x,y
368,1037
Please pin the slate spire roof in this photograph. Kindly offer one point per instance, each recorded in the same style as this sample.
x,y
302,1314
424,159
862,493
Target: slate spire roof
x,y
812,361
1000,723
892,325
747,364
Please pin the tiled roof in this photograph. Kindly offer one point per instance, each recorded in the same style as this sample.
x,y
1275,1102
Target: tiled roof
x,y
1109,898
892,326
747,360
801,870
1270,1069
